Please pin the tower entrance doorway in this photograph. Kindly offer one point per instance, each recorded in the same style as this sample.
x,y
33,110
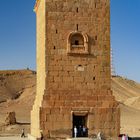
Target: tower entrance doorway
x,y
80,124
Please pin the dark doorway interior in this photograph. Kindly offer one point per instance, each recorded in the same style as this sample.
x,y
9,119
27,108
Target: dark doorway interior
x,y
76,42
81,124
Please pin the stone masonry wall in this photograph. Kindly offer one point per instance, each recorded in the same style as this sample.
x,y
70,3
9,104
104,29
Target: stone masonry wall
x,y
92,18
76,82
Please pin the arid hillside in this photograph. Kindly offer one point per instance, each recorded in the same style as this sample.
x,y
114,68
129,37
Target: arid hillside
x,y
17,93
13,83
127,92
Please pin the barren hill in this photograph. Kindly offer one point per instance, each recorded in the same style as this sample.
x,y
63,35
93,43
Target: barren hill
x,y
17,93
14,82
127,92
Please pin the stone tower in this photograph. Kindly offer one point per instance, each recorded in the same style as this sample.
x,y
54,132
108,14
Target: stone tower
x,y
73,70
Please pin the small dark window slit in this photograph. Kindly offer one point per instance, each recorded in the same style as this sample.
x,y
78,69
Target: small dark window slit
x,y
56,31
54,47
96,37
77,27
93,78
77,10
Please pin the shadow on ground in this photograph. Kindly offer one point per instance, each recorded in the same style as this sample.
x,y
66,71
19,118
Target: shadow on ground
x,y
136,138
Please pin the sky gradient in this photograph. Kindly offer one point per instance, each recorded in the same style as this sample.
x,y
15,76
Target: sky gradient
x,y
125,37
18,35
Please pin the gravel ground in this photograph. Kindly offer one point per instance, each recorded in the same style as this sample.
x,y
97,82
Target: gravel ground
x,y
13,138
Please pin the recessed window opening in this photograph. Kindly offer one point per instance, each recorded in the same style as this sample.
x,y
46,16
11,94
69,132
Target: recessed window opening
x,y
77,39
76,42
54,47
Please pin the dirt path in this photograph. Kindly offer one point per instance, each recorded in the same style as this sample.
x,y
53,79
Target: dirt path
x,y
13,138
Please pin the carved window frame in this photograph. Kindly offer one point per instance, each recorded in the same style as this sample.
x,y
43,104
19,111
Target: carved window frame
x,y
77,49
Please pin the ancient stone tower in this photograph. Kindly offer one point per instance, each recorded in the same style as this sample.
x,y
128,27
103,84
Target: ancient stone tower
x,y
73,70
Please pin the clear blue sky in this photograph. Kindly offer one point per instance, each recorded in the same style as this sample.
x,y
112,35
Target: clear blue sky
x,y
125,37
18,45
17,34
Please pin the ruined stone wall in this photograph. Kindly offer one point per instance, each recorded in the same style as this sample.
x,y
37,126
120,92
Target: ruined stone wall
x,y
76,82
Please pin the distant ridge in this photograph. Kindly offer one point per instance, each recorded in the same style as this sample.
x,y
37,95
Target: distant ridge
x,y
12,83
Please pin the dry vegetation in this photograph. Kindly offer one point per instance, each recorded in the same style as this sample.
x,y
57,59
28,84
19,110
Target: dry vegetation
x,y
17,93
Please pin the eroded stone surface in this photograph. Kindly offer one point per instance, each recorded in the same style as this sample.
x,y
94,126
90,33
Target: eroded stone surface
x,y
73,79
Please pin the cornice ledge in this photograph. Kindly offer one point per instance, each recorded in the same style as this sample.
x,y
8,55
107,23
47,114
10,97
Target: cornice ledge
x,y
36,5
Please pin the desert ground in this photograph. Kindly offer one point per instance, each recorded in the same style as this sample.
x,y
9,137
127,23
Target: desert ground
x,y
13,138
17,94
